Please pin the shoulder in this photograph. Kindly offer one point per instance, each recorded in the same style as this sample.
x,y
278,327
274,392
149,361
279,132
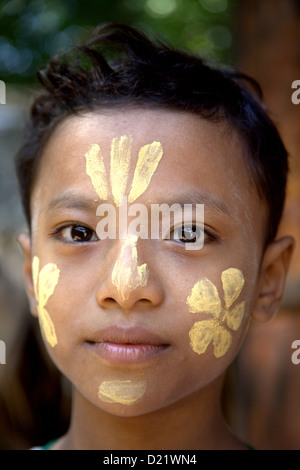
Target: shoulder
x,y
47,446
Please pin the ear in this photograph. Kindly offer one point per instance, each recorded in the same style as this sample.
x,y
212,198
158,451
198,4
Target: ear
x,y
24,241
274,269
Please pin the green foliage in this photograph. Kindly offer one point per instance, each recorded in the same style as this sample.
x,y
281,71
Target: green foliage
x,y
32,30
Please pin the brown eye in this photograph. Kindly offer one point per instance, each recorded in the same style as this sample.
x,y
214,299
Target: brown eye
x,y
190,233
186,233
78,234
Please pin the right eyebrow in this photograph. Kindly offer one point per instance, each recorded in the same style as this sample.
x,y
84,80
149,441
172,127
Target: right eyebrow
x,y
70,200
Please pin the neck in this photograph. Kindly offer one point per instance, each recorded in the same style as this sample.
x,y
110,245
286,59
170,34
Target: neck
x,y
195,422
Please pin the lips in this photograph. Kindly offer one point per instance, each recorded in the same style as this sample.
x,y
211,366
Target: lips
x,y
127,345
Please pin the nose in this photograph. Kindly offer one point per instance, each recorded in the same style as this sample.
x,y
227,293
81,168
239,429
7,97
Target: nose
x,y
129,282
127,275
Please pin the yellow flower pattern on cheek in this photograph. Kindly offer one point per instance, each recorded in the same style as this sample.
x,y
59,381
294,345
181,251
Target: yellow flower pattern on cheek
x,y
204,298
44,283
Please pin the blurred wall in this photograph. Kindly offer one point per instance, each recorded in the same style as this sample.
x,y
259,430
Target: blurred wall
x,y
268,48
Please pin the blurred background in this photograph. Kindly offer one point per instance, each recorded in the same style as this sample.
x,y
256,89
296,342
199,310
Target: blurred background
x,y
259,37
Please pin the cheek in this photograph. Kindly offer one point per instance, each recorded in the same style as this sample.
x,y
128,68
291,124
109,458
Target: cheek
x,y
57,305
223,313
45,281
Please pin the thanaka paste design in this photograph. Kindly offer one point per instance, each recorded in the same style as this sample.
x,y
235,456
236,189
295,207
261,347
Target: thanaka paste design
x,y
126,274
120,158
44,282
204,298
124,392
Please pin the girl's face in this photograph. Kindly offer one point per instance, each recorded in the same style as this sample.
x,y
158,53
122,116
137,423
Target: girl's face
x,y
138,323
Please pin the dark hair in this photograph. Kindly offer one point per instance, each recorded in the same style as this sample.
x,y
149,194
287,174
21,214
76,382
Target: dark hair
x,y
120,66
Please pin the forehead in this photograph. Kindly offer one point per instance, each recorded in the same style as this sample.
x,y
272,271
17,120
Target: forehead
x,y
197,156
188,142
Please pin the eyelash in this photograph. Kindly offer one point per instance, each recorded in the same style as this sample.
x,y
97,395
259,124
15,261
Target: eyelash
x,y
57,233
208,236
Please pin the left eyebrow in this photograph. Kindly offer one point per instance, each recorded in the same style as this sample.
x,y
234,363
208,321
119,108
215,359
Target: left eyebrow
x,y
201,197
70,200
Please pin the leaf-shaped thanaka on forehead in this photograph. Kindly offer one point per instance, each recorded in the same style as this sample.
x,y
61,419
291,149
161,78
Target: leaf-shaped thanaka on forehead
x,y
204,298
120,165
44,285
95,169
148,160
120,160
124,392
127,275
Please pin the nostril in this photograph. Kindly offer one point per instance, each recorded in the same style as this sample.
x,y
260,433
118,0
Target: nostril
x,y
110,300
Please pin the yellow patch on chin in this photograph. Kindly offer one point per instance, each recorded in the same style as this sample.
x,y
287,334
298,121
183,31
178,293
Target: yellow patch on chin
x,y
124,392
